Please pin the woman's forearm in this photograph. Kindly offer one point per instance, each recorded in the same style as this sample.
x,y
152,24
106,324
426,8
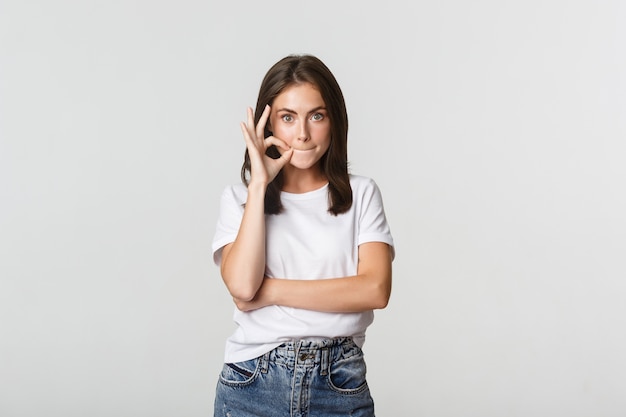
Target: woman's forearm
x,y
337,295
369,289
243,261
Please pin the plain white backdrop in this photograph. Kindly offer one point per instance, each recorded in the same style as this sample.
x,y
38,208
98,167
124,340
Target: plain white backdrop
x,y
496,131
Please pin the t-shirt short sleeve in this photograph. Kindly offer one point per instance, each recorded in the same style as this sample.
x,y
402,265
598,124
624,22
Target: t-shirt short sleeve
x,y
373,225
229,220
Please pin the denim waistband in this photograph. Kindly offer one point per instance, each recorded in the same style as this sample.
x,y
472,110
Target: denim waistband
x,y
311,352
315,343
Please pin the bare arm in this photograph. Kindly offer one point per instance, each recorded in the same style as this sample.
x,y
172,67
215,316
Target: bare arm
x,y
369,289
243,261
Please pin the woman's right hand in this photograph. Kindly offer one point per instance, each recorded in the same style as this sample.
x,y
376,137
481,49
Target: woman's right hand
x,y
263,169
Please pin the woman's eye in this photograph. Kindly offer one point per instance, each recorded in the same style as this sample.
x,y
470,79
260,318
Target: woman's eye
x,y
317,116
287,118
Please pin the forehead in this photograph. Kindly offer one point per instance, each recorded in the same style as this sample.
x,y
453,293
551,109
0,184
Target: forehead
x,y
299,96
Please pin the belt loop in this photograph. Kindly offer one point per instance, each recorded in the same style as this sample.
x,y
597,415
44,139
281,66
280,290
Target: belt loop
x,y
324,364
265,362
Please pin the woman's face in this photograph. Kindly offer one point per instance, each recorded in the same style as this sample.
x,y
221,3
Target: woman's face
x,y
299,118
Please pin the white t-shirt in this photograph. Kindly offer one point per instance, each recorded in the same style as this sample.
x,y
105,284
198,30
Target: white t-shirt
x,y
304,241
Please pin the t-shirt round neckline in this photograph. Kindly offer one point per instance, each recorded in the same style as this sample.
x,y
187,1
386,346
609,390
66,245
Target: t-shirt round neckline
x,y
305,196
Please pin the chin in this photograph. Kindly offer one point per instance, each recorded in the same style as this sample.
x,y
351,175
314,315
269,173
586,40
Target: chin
x,y
302,164
303,160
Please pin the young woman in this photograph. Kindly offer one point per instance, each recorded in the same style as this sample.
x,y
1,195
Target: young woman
x,y
305,251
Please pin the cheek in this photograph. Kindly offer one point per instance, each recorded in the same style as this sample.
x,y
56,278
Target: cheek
x,y
321,134
282,132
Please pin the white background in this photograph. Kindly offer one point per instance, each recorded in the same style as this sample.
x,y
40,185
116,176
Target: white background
x,y
495,130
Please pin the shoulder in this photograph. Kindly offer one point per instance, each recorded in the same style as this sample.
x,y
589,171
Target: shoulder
x,y
361,184
361,180
237,193
365,193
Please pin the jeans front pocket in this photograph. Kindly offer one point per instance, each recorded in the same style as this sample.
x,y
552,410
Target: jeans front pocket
x,y
347,376
240,373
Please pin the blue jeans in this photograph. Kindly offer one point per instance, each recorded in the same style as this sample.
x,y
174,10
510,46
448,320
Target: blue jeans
x,y
305,378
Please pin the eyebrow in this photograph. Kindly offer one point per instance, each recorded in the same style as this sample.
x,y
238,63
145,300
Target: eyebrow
x,y
285,109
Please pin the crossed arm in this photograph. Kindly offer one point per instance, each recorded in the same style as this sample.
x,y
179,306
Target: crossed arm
x,y
243,269
369,289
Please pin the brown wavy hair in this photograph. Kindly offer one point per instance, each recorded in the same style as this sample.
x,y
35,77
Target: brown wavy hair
x,y
299,69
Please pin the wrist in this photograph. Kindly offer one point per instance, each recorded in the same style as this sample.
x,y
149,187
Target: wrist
x,y
270,291
257,187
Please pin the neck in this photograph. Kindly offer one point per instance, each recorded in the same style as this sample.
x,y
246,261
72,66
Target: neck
x,y
302,180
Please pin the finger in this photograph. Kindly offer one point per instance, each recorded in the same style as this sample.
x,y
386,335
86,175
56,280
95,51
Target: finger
x,y
273,140
260,127
250,124
246,135
285,157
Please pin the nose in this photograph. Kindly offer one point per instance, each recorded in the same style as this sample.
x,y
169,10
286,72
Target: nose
x,y
303,134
